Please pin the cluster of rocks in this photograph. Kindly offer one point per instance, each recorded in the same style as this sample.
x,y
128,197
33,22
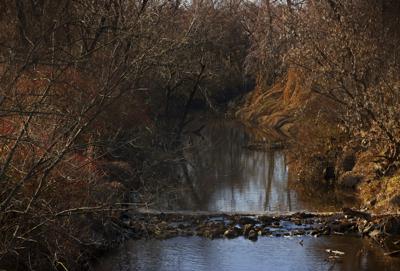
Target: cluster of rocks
x,y
383,229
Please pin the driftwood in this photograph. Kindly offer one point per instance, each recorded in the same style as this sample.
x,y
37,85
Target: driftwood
x,y
393,253
356,213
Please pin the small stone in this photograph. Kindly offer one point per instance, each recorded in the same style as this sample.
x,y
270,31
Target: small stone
x,y
299,232
208,234
181,226
247,229
258,227
230,233
302,215
267,220
276,224
297,222
253,235
162,225
266,231
247,220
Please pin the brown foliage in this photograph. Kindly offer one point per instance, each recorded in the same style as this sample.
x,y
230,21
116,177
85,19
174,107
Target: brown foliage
x,y
347,55
84,85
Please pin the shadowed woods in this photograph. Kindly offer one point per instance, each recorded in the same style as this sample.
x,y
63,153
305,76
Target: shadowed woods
x,y
94,98
97,101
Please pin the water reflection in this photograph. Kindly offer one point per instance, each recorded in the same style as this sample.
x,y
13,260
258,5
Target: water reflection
x,y
239,254
226,176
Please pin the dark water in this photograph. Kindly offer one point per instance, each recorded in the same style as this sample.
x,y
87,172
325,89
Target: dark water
x,y
225,176
269,253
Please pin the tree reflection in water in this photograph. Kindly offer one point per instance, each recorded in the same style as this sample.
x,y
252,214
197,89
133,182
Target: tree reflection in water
x,y
224,175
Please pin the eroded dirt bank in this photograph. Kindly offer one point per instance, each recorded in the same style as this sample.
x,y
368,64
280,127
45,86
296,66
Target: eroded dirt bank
x,y
321,152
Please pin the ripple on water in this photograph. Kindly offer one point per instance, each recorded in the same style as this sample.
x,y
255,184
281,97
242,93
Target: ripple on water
x,y
195,253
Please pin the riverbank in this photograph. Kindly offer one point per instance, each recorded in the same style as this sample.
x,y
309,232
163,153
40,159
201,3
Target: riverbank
x,y
321,151
236,191
226,179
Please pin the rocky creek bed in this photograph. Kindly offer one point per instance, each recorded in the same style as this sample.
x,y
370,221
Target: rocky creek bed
x,y
384,229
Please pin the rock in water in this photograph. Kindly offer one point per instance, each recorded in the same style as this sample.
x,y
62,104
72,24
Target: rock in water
x,y
247,220
230,233
253,235
266,219
247,229
238,229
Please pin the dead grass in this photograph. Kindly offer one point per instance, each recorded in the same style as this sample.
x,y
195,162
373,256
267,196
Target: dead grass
x,y
385,192
317,139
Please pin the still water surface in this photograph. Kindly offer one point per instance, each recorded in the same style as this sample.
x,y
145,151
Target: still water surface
x,y
225,176
269,253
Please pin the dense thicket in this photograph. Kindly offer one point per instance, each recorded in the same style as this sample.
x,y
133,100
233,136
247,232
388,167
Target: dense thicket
x,y
346,51
85,87
95,94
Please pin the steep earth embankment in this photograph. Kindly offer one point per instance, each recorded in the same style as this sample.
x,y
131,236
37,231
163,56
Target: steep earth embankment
x,y
321,151
275,107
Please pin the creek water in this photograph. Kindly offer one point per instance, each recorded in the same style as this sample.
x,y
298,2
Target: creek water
x,y
223,175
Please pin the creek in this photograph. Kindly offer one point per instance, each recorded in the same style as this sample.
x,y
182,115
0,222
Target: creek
x,y
223,175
